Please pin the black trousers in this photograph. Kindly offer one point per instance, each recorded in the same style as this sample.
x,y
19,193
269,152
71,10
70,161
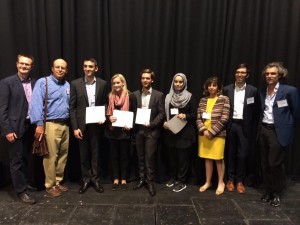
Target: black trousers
x,y
119,157
89,153
25,168
146,148
272,161
237,150
179,162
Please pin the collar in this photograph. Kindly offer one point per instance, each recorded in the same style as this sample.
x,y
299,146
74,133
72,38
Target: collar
x,y
149,92
86,82
242,88
56,81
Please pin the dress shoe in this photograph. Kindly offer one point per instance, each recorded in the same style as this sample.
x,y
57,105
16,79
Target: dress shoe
x,y
230,185
25,198
114,186
275,200
140,184
62,187
205,187
220,189
266,198
240,188
83,188
98,187
124,187
54,191
151,189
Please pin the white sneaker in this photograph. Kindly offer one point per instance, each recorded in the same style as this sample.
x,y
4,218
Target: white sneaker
x,y
179,187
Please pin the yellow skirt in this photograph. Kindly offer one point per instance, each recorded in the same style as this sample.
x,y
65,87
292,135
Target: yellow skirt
x,y
211,149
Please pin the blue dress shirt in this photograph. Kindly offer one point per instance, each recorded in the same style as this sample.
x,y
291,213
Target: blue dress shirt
x,y
58,100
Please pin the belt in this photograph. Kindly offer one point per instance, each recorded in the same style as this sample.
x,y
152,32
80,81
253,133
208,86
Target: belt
x,y
237,120
58,121
269,126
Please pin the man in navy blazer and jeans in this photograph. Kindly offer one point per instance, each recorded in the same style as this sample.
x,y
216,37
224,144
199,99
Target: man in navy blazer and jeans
x,y
244,109
15,97
279,109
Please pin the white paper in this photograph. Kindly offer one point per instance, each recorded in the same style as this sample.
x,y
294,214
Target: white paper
x,y
95,114
124,118
143,116
175,124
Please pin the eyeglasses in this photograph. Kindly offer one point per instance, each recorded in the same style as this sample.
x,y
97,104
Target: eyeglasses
x,y
240,72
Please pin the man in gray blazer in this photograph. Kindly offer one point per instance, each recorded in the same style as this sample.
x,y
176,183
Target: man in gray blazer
x,y
15,97
88,91
148,134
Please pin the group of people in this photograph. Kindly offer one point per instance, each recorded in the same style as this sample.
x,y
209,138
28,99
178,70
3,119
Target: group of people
x,y
233,116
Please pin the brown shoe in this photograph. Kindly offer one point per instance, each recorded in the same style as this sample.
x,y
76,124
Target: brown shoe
x,y
230,185
54,191
62,187
240,188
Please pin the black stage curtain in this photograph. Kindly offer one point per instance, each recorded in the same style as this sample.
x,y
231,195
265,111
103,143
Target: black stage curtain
x,y
197,37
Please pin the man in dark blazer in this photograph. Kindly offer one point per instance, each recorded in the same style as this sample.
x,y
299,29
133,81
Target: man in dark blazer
x,y
147,135
244,110
88,91
15,97
280,107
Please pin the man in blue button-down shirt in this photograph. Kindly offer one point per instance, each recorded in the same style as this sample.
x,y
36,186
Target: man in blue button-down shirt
x,y
57,128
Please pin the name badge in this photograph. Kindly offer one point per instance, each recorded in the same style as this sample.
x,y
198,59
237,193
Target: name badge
x,y
174,111
282,103
250,100
206,115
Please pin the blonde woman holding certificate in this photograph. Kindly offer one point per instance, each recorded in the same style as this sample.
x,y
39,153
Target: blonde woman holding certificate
x,y
119,137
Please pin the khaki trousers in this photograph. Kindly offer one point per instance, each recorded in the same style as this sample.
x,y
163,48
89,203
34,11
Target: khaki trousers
x,y
57,136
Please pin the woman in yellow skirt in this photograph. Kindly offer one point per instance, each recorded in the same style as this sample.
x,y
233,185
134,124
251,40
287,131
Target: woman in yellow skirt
x,y
212,116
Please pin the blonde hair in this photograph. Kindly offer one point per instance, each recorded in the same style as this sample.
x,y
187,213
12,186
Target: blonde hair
x,y
123,80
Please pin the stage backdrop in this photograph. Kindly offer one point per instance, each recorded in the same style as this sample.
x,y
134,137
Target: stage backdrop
x,y
199,38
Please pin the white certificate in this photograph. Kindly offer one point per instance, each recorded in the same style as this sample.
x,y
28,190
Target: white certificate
x,y
95,114
175,124
143,116
124,118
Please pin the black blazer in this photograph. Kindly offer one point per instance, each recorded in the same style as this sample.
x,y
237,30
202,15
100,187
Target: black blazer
x,y
79,100
157,106
187,136
250,112
13,106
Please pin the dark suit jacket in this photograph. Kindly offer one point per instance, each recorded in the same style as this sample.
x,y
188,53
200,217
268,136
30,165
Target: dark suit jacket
x,y
284,117
79,100
157,106
13,106
250,112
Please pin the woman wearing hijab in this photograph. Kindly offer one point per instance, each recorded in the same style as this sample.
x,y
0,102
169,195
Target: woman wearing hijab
x,y
119,137
212,117
180,103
